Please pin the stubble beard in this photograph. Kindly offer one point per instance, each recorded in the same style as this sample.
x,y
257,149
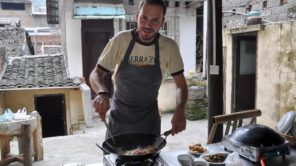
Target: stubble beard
x,y
147,35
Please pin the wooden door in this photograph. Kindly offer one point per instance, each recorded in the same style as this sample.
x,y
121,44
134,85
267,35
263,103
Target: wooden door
x,y
95,36
244,69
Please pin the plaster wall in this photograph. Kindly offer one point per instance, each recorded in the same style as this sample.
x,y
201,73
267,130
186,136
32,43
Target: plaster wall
x,y
19,99
2,103
167,96
76,106
187,42
276,71
276,75
25,16
73,41
227,47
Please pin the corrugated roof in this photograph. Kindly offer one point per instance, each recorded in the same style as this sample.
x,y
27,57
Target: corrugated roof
x,y
36,72
9,21
101,11
99,1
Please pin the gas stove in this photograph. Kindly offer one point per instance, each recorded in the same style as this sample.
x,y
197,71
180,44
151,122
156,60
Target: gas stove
x,y
254,154
113,160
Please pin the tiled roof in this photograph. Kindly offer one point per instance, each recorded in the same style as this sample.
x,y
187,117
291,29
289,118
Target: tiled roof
x,y
36,72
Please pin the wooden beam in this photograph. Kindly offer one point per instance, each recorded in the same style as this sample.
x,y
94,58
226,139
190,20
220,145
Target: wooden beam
x,y
37,140
27,144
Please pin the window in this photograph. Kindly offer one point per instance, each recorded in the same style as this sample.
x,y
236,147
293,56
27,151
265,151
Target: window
x,y
282,2
131,2
264,5
188,3
131,25
52,11
164,29
177,4
12,6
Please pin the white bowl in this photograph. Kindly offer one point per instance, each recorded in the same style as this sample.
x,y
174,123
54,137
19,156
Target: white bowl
x,y
196,154
185,159
200,163
204,156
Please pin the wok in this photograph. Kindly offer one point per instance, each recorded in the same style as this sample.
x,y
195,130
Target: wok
x,y
131,141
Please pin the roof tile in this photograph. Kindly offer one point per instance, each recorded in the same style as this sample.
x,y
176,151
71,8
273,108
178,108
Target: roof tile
x,y
36,72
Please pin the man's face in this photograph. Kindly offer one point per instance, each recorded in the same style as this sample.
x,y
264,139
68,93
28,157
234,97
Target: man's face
x,y
150,18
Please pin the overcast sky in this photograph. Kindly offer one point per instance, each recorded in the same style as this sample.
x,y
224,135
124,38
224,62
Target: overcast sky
x,y
38,3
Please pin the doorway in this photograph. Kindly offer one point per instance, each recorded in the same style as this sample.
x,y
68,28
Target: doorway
x,y
244,72
95,36
52,111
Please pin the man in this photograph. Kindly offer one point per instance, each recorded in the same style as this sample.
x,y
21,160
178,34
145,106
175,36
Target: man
x,y
139,58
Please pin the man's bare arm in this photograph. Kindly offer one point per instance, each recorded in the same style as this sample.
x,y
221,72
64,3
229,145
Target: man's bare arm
x,y
179,119
98,80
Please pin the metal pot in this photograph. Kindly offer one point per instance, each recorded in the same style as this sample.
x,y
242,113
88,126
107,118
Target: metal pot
x,y
125,142
256,135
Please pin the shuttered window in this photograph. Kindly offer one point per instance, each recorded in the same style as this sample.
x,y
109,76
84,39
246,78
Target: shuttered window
x,y
12,6
52,8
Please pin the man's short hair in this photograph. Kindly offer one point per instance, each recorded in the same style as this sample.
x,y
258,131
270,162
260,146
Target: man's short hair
x,y
154,2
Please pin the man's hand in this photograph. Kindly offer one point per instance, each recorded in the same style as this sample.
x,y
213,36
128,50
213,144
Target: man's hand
x,y
102,105
178,122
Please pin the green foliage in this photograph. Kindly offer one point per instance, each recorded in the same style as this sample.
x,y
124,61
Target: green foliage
x,y
197,109
201,83
169,111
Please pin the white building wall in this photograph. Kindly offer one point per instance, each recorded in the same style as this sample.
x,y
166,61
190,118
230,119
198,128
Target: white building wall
x,y
187,42
73,44
182,24
228,65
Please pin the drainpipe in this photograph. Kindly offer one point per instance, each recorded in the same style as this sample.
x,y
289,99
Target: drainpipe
x,y
215,65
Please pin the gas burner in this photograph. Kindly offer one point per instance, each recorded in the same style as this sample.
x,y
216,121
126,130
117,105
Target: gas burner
x,y
254,154
146,162
112,160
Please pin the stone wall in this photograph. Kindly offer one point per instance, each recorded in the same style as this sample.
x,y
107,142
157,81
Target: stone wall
x,y
12,39
52,49
234,12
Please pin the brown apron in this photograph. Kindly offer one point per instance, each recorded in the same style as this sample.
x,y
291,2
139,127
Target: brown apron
x,y
134,106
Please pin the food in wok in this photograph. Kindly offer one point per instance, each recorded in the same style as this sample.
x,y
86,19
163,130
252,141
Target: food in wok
x,y
140,151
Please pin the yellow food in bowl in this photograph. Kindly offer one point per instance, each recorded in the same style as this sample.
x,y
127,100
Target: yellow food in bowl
x,y
197,148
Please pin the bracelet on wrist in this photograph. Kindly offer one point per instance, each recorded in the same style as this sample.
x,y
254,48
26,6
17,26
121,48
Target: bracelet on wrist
x,y
103,93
